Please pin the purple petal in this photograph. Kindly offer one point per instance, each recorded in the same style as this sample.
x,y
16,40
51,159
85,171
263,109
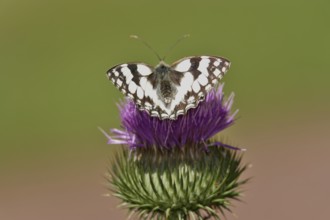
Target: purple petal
x,y
198,125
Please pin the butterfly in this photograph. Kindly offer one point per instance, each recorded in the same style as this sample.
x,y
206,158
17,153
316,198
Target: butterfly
x,y
167,91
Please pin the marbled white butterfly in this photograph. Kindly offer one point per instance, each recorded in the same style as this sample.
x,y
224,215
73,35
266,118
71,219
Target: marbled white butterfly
x,y
168,91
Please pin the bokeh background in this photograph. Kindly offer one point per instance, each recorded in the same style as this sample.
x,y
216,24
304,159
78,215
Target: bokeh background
x,y
54,95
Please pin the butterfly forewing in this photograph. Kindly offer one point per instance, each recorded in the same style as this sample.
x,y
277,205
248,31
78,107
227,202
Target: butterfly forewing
x,y
127,77
190,79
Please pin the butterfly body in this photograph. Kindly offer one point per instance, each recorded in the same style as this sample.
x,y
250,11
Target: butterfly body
x,y
165,83
167,91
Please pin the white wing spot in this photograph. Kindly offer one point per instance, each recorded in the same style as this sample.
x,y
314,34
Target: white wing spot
x,y
191,99
164,116
180,112
143,70
148,105
119,82
140,93
128,74
129,95
203,65
126,71
154,113
224,69
214,81
216,63
189,106
196,87
208,87
173,116
216,72
143,82
202,79
183,66
132,87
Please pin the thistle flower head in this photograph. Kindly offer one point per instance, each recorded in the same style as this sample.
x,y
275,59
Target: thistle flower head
x,y
169,176
197,126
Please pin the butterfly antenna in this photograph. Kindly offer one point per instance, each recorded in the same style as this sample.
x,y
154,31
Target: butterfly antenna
x,y
175,44
146,44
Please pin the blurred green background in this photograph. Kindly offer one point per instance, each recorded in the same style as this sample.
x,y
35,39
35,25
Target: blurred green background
x,y
54,95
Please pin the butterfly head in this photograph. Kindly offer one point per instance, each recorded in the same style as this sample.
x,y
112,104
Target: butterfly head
x,y
162,68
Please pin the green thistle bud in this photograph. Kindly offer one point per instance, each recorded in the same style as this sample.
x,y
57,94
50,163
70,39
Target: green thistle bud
x,y
186,183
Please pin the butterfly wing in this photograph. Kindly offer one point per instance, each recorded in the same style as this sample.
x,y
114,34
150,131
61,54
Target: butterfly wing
x,y
130,79
138,82
199,75
192,77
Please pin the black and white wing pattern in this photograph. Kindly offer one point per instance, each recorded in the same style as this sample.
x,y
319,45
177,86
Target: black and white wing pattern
x,y
131,79
200,75
169,91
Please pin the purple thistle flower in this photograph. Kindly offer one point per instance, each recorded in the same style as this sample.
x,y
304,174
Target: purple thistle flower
x,y
197,126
